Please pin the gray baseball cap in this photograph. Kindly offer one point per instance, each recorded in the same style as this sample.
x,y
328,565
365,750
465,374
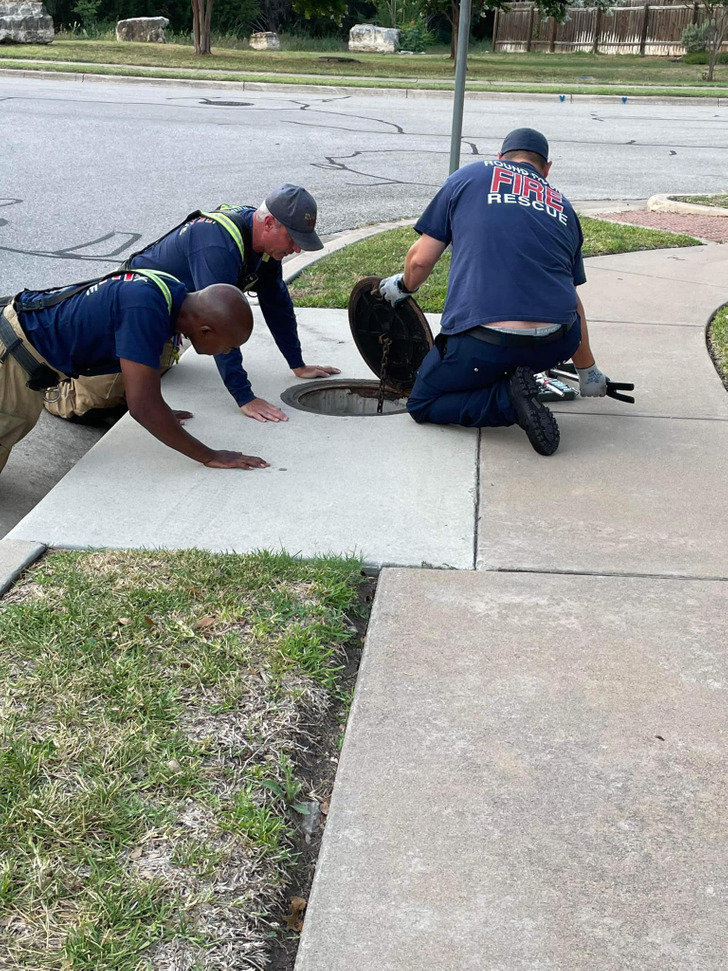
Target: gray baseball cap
x,y
526,140
296,209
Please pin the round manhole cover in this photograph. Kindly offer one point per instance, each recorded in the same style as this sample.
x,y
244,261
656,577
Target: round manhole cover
x,y
343,398
226,104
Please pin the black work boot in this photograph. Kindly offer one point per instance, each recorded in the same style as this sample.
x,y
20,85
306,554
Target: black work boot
x,y
534,418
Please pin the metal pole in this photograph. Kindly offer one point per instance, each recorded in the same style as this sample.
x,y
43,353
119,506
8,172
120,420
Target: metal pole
x,y
459,93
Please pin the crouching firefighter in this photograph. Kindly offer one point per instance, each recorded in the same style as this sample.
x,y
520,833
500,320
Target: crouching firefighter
x,y
116,324
242,246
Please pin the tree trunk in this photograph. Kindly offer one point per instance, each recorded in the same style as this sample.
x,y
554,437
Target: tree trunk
x,y
719,22
201,18
455,23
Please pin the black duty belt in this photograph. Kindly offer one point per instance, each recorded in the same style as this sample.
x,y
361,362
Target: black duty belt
x,y
510,339
40,376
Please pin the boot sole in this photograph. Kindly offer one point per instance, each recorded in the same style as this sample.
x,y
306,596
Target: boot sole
x,y
533,417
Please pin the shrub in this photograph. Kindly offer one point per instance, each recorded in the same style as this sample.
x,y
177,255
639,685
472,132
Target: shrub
x,y
415,36
695,38
701,57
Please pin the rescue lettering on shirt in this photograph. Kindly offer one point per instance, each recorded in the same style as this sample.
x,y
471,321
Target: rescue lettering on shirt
x,y
513,186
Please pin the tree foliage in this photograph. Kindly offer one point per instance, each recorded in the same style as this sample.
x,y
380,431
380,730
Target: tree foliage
x,y
715,27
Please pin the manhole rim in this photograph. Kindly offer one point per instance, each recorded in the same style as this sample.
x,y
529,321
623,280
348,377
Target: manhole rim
x,y
292,396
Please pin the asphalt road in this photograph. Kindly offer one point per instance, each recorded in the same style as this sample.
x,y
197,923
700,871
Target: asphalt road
x,y
92,171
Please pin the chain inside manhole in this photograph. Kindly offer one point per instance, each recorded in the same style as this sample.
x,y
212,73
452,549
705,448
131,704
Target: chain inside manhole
x,y
345,398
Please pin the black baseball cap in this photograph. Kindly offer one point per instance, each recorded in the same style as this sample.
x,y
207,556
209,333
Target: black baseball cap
x,y
295,209
526,140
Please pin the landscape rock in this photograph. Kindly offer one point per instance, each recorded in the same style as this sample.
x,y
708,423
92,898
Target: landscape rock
x,y
149,30
368,38
25,23
265,40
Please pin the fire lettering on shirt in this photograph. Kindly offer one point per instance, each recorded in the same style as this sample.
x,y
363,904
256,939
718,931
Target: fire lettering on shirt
x,y
532,186
508,186
504,176
553,199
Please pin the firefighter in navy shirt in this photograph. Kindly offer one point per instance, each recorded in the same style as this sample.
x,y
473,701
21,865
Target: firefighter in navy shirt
x,y
119,323
511,308
243,246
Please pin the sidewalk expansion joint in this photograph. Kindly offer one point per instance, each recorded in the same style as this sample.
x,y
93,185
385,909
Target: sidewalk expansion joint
x,y
476,503
606,573
685,325
639,414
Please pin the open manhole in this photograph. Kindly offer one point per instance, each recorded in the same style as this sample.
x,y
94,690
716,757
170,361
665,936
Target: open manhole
x,y
393,342
344,398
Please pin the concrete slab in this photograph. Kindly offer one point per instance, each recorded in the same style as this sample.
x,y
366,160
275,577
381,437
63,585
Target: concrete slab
x,y
379,486
621,495
15,555
532,778
680,287
684,383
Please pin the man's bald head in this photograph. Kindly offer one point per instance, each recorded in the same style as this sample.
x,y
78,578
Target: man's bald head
x,y
216,319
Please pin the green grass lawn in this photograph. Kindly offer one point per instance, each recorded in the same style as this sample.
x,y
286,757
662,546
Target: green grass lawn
x,y
720,201
328,282
718,340
155,708
586,70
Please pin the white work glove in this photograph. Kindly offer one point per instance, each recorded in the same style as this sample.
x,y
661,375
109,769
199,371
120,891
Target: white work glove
x,y
592,383
393,290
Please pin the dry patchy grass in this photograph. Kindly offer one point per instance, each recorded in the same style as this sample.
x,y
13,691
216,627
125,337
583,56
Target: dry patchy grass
x,y
154,709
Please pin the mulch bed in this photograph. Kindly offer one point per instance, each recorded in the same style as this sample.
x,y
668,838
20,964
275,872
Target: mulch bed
x,y
713,228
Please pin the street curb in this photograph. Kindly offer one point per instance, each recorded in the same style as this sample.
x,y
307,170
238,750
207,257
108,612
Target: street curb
x,y
15,556
343,90
664,203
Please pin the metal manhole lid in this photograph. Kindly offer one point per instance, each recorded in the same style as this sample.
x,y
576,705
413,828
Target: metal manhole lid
x,y
371,319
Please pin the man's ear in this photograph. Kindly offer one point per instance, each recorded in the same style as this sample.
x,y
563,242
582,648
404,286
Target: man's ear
x,y
547,170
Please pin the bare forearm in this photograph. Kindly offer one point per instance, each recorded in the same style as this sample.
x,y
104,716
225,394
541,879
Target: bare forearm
x,y
420,261
159,420
416,271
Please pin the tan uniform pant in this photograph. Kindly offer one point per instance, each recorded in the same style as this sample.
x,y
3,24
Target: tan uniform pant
x,y
79,395
20,407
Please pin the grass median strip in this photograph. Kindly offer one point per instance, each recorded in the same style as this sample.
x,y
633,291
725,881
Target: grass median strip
x,y
482,87
718,342
154,713
587,69
328,282
719,201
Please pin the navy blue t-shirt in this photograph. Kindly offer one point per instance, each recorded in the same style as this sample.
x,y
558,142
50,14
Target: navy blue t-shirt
x,y
203,252
516,246
121,316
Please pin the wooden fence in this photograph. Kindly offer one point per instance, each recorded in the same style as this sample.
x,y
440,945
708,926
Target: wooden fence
x,y
633,29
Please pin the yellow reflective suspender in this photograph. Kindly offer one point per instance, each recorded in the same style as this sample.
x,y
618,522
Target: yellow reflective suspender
x,y
158,276
227,223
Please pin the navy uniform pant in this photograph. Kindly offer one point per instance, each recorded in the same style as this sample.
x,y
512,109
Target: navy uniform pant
x,y
462,380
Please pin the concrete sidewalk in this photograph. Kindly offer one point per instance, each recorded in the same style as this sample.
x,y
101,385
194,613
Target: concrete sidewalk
x,y
533,773
624,494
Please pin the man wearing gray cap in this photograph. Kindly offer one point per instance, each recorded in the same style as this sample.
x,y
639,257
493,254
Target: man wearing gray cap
x,y
511,309
240,245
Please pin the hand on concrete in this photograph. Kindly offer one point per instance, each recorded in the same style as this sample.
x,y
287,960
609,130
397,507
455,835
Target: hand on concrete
x,y
182,415
315,371
263,410
235,460
393,290
592,382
